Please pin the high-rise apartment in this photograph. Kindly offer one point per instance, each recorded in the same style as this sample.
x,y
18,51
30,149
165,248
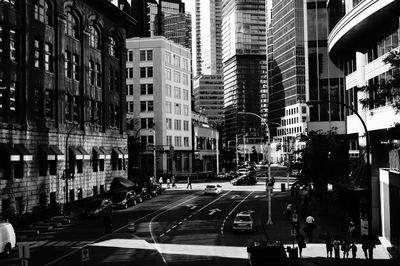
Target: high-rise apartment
x,y
159,99
244,68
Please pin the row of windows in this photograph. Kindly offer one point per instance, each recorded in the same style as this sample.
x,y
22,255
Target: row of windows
x,y
178,141
292,130
176,60
12,43
43,56
177,76
145,55
177,124
177,92
177,108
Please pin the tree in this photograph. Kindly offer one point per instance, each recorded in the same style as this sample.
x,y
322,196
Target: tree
x,y
385,91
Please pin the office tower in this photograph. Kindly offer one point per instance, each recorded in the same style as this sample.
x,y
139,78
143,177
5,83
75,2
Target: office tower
x,y
158,82
62,102
244,64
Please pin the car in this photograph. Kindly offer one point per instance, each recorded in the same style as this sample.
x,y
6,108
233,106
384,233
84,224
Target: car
x,y
243,171
98,207
213,189
244,180
243,221
142,192
7,238
267,253
122,199
154,189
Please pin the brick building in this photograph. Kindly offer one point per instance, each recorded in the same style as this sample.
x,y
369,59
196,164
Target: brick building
x,y
62,101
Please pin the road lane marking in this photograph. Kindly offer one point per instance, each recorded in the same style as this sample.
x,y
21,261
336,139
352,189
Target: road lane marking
x,y
212,211
117,230
223,223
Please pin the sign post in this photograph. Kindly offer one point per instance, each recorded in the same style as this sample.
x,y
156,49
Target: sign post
x,y
24,253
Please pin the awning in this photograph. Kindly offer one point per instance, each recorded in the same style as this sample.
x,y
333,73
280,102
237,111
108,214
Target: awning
x,y
23,151
76,153
97,153
12,154
50,155
59,155
86,155
124,153
107,154
117,153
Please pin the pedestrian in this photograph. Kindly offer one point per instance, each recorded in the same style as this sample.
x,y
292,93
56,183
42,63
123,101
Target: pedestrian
x,y
336,248
189,182
351,228
107,222
371,246
292,190
297,190
168,183
328,244
301,243
310,224
364,245
345,248
353,248
288,209
173,181
161,181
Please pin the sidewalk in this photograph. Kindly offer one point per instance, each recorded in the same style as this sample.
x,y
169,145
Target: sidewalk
x,y
327,219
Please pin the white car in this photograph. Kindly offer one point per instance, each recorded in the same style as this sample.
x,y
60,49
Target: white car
x,y
213,189
7,238
243,222
243,171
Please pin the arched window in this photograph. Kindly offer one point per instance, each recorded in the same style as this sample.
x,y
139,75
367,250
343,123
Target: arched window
x,y
94,38
71,26
43,12
48,14
113,46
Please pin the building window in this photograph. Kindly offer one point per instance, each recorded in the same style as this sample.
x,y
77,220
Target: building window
x,y
146,106
146,55
12,96
112,47
177,124
177,109
13,45
146,72
169,140
130,107
94,39
92,111
98,117
146,123
68,105
177,61
129,72
111,79
37,54
168,87
169,123
177,77
71,26
130,89
116,80
98,75
116,116
185,79
146,89
186,125
40,10
68,64
186,141
48,57
75,66
185,94
91,73
177,92
185,63
76,109
38,102
168,57
168,74
178,141
1,40
168,107
130,56
49,104
185,110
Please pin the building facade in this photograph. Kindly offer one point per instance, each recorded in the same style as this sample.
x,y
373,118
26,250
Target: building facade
x,y
159,103
244,68
62,101
362,33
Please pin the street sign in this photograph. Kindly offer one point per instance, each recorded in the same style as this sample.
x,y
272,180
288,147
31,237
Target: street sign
x,y
24,250
85,254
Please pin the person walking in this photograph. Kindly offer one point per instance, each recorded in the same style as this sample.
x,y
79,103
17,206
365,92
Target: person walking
x,y
107,222
345,248
353,248
328,244
310,224
189,182
364,245
336,248
168,183
160,181
351,228
173,181
301,243
371,246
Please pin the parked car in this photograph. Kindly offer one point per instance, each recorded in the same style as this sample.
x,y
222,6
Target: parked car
x,y
98,207
154,189
143,192
7,238
243,171
243,222
267,253
213,189
122,199
244,180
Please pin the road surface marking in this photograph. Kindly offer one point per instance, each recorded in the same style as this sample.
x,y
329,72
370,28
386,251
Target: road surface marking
x,y
212,211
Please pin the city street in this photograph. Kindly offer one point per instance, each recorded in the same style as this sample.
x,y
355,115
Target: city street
x,y
185,226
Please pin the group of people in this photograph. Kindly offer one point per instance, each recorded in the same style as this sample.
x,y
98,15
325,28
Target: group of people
x,y
171,181
335,245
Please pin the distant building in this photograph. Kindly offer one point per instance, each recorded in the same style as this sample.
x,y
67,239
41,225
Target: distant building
x,y
62,102
244,71
159,104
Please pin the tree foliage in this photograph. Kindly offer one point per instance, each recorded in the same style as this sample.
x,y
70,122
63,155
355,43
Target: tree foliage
x,y
386,91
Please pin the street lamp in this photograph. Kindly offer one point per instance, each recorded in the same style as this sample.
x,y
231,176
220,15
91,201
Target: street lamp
x,y
67,172
264,121
367,150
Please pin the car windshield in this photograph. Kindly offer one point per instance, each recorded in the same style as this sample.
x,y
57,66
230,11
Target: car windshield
x,y
210,186
243,218
119,196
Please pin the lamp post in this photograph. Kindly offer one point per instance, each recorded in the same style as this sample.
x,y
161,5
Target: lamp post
x,y
367,150
154,155
216,143
67,174
264,121
236,151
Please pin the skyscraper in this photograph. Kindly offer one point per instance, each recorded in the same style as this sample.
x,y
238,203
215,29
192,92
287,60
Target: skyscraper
x,y
244,62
